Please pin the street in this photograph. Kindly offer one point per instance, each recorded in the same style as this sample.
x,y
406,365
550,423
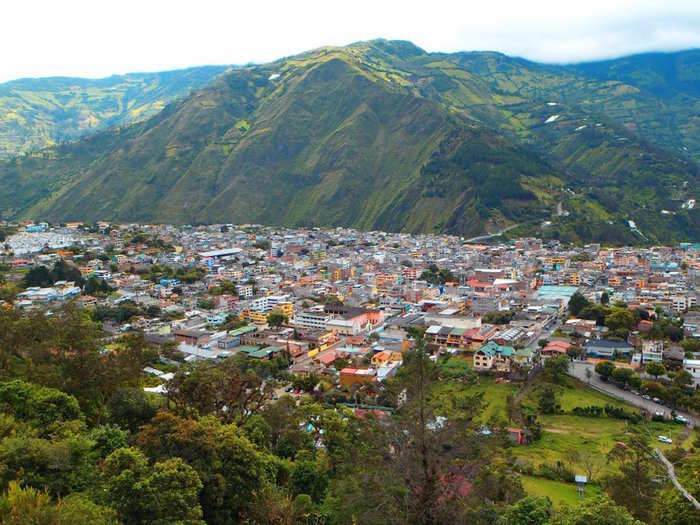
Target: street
x,y
578,369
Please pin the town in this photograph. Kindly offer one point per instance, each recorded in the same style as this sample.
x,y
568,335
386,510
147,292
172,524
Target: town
x,y
341,303
562,346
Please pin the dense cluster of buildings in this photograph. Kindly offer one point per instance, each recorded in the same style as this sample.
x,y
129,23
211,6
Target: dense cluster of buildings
x,y
348,301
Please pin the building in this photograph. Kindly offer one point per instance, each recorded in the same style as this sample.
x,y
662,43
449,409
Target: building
x,y
357,376
493,356
606,349
652,351
692,366
311,320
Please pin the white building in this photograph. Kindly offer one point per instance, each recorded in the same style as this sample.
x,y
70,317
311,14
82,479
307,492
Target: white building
x,y
311,320
652,351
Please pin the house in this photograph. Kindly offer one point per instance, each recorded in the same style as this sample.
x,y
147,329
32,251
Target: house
x,y
692,366
673,358
517,436
652,351
357,376
555,348
493,356
385,357
607,349
191,337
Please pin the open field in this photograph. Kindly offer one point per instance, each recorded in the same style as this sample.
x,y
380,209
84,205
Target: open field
x,y
559,492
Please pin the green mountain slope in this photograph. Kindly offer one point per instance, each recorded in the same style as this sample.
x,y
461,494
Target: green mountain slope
x,y
39,112
383,135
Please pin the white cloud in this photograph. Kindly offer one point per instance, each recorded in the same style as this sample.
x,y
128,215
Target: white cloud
x,y
97,38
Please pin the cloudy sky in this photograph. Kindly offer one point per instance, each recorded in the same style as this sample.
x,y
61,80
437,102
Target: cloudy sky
x,y
95,38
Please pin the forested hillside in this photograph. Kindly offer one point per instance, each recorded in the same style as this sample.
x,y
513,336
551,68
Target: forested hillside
x,y
382,135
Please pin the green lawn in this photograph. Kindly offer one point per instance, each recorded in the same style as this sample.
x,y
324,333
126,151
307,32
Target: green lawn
x,y
574,393
494,395
559,492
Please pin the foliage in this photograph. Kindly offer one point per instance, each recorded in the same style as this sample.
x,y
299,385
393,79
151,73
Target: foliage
x,y
435,275
577,302
548,402
555,368
530,510
655,369
43,277
276,319
500,317
605,369
42,112
435,169
598,510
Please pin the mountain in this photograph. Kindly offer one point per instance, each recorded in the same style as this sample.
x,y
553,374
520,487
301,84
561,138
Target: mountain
x,y
39,112
382,135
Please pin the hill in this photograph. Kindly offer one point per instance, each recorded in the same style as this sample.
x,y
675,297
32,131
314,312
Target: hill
x,y
382,135
40,112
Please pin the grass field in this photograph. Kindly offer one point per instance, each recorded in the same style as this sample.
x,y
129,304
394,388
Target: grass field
x,y
565,435
559,492
494,396
574,393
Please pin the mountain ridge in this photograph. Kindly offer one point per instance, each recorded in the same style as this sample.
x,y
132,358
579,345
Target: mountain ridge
x,y
381,134
40,112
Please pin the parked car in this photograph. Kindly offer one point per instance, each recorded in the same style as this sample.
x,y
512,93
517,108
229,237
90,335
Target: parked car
x,y
681,419
665,439
645,396
656,400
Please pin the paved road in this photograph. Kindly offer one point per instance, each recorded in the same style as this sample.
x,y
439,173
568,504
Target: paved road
x,y
578,370
492,235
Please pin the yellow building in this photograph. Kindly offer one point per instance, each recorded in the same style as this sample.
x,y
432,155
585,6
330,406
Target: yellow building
x,y
286,309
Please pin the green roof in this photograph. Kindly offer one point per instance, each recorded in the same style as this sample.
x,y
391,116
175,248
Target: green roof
x,y
259,354
243,330
458,331
491,348
248,349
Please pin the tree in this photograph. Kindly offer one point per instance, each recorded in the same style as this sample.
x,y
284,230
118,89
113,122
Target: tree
x,y
575,352
166,493
633,483
129,408
307,477
21,505
38,276
655,369
621,376
548,402
604,369
542,343
225,389
231,469
670,507
577,302
604,298
276,319
307,382
531,510
598,510
170,494
620,321
555,368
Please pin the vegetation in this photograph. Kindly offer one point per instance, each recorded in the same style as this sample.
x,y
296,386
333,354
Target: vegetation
x,y
40,112
80,442
391,140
